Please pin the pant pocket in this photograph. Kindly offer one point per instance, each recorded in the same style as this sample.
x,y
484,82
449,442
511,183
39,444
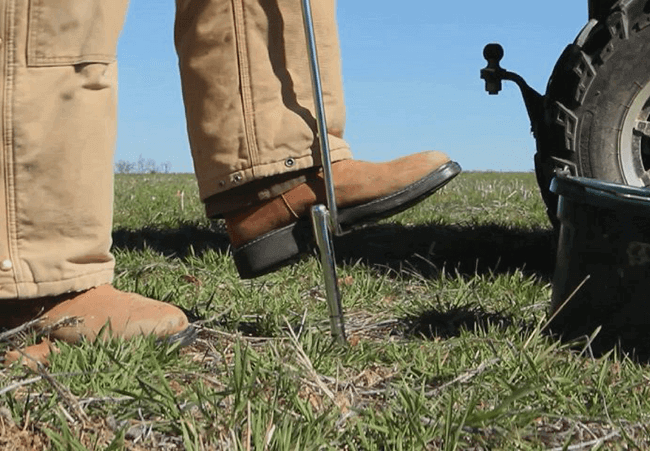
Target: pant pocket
x,y
64,32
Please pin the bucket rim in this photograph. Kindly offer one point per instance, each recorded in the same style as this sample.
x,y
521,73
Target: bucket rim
x,y
598,190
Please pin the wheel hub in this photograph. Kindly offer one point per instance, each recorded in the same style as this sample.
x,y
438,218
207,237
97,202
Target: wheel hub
x,y
634,149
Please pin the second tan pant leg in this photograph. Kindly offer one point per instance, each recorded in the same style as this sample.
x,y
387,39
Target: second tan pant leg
x,y
247,88
59,92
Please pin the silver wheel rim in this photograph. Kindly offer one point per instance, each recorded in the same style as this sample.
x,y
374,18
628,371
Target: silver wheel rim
x,y
634,143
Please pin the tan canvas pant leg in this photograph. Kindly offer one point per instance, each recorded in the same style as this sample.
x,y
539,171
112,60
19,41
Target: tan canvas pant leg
x,y
247,88
58,97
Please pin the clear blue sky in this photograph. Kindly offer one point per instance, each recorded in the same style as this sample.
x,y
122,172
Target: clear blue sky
x,y
411,77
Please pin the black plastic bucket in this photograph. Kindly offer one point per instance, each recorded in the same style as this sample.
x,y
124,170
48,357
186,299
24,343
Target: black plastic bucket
x,y
603,263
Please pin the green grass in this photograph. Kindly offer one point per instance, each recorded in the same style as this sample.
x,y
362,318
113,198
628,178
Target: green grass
x,y
444,305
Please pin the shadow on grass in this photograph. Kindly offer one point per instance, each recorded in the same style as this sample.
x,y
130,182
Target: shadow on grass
x,y
447,324
628,337
426,250
423,250
595,335
173,242
428,325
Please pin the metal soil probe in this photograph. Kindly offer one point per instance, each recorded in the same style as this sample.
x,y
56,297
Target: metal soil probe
x,y
324,218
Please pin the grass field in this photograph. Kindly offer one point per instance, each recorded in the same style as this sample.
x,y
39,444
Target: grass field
x,y
444,305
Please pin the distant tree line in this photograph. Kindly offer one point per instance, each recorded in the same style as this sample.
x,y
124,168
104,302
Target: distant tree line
x,y
142,166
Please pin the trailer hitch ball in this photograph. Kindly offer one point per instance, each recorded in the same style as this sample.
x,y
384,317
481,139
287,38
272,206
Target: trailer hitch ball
x,y
493,74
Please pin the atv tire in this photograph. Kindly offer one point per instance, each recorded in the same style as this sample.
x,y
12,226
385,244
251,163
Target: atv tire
x,y
598,102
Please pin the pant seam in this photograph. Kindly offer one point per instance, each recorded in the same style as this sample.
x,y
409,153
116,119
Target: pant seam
x,y
7,134
245,81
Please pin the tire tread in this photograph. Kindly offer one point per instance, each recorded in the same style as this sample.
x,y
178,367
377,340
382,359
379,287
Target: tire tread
x,y
573,78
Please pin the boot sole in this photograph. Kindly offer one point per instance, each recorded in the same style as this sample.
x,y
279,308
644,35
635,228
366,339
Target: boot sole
x,y
286,245
183,338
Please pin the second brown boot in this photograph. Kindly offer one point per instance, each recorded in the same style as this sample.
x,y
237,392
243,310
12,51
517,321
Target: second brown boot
x,y
98,310
274,233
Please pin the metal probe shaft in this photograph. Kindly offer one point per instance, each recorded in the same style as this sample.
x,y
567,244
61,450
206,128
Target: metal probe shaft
x,y
324,220
320,221
321,121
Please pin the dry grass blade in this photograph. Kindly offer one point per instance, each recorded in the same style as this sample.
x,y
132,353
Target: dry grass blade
x,y
64,394
588,445
466,376
64,322
105,399
4,336
307,365
548,322
69,321
16,385
568,299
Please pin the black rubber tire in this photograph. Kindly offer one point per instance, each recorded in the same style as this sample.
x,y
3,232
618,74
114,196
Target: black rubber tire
x,y
600,86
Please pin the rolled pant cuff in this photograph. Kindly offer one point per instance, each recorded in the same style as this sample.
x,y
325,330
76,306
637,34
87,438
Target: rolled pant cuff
x,y
263,189
32,290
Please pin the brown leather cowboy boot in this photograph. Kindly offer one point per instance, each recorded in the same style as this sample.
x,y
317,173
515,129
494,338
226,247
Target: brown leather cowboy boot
x,y
274,233
120,314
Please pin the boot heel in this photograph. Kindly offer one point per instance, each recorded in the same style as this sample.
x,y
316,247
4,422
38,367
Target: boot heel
x,y
274,250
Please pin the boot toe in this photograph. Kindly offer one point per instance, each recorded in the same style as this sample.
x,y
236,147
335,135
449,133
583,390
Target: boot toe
x,y
102,309
31,356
